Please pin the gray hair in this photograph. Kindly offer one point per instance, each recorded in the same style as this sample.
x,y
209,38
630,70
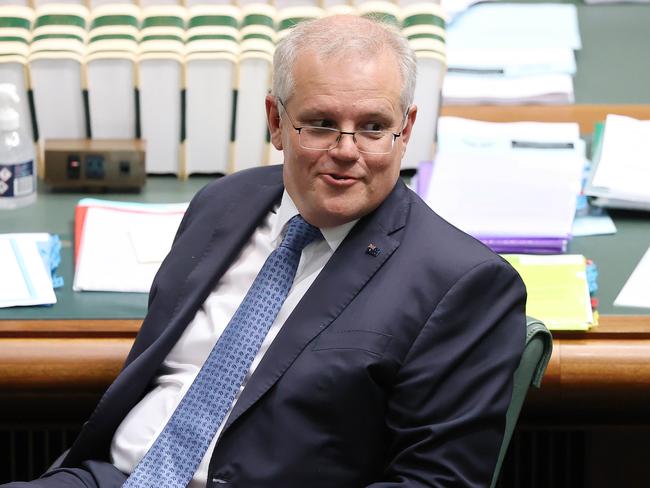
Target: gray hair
x,y
341,35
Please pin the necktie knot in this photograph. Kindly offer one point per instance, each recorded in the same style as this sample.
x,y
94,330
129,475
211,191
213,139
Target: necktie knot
x,y
299,234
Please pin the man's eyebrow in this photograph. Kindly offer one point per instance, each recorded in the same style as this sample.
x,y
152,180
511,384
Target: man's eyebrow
x,y
379,114
314,113
317,113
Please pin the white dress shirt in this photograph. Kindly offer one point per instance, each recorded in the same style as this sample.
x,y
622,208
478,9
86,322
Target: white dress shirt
x,y
146,420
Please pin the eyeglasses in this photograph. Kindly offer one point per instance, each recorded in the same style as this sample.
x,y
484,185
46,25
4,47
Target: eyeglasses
x,y
326,138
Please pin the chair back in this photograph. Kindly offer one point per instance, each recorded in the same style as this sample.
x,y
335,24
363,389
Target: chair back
x,y
532,365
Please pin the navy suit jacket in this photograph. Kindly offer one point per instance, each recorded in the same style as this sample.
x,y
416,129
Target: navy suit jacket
x,y
395,369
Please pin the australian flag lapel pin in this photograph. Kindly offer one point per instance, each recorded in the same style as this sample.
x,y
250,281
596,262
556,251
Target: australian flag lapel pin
x,y
373,250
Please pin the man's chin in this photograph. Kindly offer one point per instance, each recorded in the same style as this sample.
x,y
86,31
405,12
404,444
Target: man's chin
x,y
336,212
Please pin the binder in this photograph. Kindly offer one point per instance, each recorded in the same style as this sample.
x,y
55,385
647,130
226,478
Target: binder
x,y
212,50
424,26
111,70
56,57
254,80
160,70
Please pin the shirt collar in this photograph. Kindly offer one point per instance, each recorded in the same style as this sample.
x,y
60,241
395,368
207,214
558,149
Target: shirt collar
x,y
333,235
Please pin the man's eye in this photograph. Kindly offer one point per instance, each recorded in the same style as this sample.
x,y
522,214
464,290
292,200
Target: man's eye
x,y
322,123
373,126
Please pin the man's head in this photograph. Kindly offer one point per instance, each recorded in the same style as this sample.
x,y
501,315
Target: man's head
x,y
350,74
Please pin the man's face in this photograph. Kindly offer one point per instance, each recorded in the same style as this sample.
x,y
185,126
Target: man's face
x,y
351,93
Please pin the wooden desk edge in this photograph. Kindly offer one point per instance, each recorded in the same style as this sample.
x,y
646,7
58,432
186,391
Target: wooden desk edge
x,y
46,355
585,115
611,326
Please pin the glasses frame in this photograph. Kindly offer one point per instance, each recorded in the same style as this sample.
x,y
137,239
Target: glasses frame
x,y
342,133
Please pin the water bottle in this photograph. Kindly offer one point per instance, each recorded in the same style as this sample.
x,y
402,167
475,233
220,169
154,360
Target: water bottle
x,y
17,165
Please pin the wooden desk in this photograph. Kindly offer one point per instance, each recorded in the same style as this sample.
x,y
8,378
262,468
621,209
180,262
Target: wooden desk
x,y
585,115
592,375
72,350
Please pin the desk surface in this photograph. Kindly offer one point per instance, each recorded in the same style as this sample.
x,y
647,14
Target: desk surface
x,y
54,213
612,66
616,255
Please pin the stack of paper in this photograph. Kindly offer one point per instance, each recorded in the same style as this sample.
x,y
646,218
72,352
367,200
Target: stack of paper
x,y
558,290
620,175
514,186
29,263
512,54
119,246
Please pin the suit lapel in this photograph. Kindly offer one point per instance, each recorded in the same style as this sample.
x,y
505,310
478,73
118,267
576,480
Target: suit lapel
x,y
346,273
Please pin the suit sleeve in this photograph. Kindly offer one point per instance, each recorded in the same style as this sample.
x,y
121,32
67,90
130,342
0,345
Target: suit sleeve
x,y
447,409
91,474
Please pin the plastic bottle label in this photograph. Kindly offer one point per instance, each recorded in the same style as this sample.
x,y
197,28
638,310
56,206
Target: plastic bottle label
x,y
16,180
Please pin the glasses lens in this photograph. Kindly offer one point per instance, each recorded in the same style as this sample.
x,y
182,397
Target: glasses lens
x,y
321,138
374,141
324,138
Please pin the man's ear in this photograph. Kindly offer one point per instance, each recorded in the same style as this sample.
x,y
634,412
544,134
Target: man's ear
x,y
408,127
273,121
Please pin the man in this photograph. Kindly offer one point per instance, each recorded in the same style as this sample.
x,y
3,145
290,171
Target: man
x,y
390,360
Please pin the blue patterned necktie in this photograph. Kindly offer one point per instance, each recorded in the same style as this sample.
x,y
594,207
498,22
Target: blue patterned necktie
x,y
174,457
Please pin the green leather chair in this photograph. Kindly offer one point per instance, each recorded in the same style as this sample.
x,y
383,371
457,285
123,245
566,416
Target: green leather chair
x,y
532,365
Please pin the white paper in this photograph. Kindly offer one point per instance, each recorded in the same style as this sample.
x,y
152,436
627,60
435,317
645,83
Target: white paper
x,y
554,88
108,259
460,134
636,291
502,25
152,237
623,170
511,61
504,196
489,187
24,279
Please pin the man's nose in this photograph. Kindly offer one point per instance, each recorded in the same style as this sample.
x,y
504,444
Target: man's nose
x,y
346,148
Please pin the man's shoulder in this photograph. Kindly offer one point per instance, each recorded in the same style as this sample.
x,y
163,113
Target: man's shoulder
x,y
442,244
261,175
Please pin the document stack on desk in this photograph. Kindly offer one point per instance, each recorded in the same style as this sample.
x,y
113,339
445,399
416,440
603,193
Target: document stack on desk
x,y
28,264
620,176
514,186
119,246
507,53
558,289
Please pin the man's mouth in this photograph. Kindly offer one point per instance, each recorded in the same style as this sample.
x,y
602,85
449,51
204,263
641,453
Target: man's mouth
x,y
339,179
